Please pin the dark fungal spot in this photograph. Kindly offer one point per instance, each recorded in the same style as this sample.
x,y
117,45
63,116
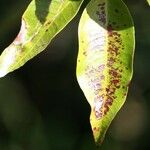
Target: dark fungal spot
x,y
109,28
96,129
109,101
84,53
115,82
111,61
101,13
106,109
113,73
48,23
120,70
114,41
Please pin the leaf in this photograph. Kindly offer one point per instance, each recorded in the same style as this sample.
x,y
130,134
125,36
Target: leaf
x,y
42,20
104,64
148,2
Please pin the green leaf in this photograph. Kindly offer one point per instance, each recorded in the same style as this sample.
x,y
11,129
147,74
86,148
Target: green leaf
x,y
104,64
148,2
42,20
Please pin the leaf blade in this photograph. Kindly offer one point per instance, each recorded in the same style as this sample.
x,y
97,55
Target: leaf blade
x,y
41,22
104,66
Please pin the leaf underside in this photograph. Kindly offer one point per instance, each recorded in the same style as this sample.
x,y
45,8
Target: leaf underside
x,y
104,64
42,20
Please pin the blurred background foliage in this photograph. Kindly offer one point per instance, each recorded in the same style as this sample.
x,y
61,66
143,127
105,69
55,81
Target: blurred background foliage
x,y
42,106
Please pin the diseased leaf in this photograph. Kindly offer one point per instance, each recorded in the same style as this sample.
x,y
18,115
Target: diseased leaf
x,y
42,20
104,64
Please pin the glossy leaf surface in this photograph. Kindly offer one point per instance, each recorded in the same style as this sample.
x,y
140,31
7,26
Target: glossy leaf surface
x,y
42,20
104,64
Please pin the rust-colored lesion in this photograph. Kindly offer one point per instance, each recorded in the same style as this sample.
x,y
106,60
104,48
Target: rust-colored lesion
x,y
105,87
104,97
96,129
114,46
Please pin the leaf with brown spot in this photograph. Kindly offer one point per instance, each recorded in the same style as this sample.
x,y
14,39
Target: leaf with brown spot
x,y
106,36
41,22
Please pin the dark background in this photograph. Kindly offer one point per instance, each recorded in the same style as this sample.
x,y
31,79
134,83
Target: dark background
x,y
42,106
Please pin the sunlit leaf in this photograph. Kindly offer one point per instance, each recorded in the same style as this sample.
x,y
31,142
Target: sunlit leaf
x,y
104,64
42,20
148,2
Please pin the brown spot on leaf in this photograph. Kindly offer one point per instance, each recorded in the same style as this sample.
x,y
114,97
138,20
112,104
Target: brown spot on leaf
x,y
48,23
96,129
84,53
114,46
